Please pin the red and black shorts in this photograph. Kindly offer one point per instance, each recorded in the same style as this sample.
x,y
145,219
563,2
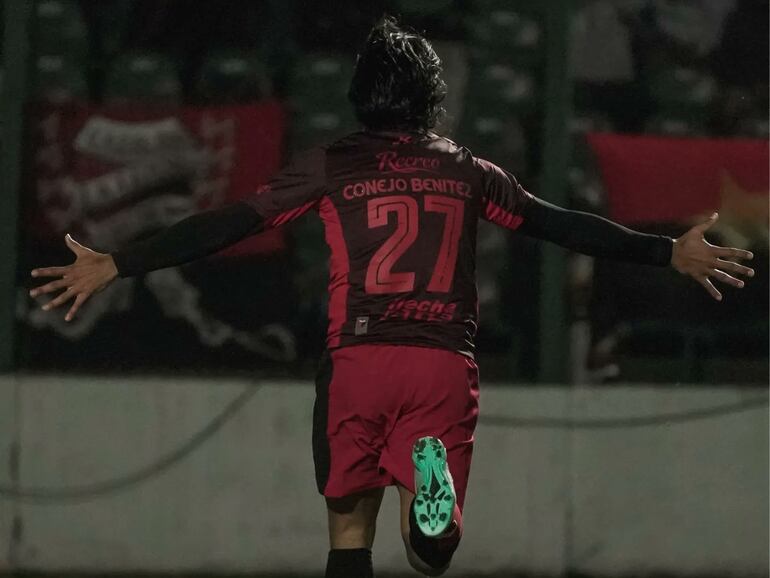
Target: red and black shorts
x,y
374,401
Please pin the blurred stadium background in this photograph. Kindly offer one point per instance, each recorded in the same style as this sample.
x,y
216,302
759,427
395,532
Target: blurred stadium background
x,y
155,433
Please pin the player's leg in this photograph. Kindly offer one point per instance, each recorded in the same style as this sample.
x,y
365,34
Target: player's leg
x,y
429,555
352,525
347,436
353,519
443,403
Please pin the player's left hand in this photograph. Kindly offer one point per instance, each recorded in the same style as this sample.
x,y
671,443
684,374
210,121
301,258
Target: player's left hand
x,y
694,256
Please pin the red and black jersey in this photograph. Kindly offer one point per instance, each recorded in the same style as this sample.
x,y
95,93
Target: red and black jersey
x,y
400,213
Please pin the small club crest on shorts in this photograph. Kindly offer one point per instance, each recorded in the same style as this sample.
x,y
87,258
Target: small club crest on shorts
x,y
362,325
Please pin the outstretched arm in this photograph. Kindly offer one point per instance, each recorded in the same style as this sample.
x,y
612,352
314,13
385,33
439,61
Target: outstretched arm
x,y
507,204
593,235
192,238
590,234
287,196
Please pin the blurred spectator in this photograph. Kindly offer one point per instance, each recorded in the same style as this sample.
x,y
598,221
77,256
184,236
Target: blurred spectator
x,y
741,56
603,63
740,62
695,24
600,43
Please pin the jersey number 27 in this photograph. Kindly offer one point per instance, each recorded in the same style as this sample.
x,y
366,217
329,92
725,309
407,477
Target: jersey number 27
x,y
379,275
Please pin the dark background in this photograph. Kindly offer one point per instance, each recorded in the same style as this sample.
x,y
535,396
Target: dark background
x,y
663,68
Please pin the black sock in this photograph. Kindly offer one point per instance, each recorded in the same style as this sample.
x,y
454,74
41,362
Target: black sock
x,y
353,563
435,552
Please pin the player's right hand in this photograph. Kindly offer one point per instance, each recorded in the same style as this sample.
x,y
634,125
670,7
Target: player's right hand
x,y
694,256
91,272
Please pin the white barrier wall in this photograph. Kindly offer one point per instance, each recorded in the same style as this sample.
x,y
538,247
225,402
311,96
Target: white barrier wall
x,y
9,510
684,499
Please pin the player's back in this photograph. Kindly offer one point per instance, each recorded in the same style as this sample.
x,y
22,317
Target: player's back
x,y
401,213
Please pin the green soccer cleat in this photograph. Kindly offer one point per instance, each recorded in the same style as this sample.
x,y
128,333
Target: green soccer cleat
x,y
435,498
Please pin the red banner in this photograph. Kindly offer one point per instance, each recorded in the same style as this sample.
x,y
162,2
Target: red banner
x,y
655,180
111,175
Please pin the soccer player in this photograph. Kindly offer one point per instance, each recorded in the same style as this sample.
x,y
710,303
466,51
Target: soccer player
x,y
397,389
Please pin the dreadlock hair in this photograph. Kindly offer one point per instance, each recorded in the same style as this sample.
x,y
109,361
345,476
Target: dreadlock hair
x,y
397,80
